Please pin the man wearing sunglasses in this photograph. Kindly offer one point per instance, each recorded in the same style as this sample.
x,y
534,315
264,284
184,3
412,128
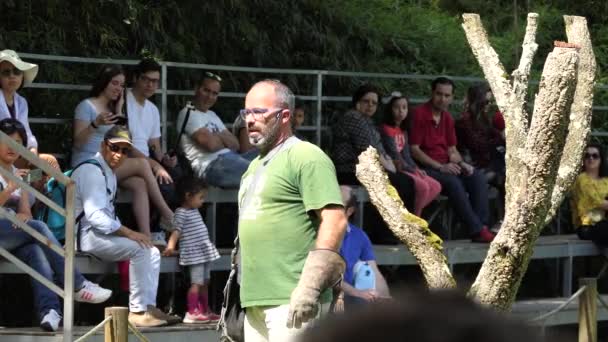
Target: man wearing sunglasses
x,y
206,143
102,234
291,222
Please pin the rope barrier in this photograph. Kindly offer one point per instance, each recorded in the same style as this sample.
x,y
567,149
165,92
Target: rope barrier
x,y
138,333
603,270
93,330
601,300
559,308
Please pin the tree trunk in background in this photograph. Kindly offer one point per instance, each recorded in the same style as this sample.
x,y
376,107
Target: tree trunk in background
x,y
535,151
410,229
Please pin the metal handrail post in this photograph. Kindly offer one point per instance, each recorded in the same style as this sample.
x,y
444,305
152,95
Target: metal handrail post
x,y
319,105
70,245
163,112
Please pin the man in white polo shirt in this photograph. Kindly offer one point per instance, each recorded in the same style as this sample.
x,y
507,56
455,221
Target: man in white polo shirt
x,y
206,143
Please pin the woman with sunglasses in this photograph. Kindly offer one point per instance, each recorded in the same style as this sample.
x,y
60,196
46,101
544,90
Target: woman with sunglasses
x,y
94,117
14,75
589,197
36,254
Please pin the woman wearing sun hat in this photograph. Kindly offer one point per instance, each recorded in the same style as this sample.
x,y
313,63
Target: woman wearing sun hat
x,y
14,74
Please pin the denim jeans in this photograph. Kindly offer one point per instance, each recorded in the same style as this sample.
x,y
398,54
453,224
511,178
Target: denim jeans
x,y
39,257
226,170
468,195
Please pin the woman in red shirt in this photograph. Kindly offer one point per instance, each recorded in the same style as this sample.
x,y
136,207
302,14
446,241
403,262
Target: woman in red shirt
x,y
394,139
482,134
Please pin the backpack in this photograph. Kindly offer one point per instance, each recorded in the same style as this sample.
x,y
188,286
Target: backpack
x,y
56,192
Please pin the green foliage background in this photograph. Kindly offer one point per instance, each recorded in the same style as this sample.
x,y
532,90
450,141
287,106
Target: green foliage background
x,y
407,36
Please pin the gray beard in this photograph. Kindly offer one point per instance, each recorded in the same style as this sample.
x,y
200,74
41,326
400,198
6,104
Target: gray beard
x,y
267,139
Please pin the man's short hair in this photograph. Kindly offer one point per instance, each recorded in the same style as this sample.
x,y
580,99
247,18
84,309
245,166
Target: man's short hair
x,y
442,80
352,200
207,75
146,65
285,97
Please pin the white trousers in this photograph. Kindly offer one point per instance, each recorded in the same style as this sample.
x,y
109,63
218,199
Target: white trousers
x,y
144,265
269,324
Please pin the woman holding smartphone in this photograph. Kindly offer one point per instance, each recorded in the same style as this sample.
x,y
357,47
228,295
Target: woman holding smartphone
x,y
93,118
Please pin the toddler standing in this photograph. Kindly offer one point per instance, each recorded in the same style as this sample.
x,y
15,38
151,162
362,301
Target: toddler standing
x,y
196,251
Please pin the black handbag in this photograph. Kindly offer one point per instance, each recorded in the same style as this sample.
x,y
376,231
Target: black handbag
x,y
232,317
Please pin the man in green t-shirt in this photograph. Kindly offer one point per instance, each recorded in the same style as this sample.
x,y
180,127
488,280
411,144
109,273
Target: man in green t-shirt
x,y
291,222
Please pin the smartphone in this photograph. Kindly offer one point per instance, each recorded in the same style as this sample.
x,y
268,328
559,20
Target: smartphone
x,y
33,176
121,120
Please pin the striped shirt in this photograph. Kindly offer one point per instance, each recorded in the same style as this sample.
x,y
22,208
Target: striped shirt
x,y
194,244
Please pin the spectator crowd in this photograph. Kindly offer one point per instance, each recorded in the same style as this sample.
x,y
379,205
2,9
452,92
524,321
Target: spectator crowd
x,y
293,239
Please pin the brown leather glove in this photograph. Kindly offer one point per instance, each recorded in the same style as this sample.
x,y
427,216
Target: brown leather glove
x,y
323,269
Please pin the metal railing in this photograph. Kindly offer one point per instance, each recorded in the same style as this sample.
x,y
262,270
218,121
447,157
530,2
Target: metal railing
x,y
318,94
67,293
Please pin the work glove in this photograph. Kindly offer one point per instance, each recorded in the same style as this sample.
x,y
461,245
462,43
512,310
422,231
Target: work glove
x,y
323,269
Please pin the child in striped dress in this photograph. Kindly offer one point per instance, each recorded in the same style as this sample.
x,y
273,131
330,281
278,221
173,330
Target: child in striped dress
x,y
196,251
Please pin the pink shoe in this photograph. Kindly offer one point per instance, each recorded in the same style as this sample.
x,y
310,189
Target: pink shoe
x,y
196,318
212,316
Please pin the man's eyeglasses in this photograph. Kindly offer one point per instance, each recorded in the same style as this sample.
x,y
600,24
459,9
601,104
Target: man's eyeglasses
x,y
592,156
213,76
8,72
257,113
147,79
116,148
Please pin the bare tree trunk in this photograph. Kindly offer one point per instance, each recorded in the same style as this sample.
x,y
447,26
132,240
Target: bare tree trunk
x,y
508,257
580,113
410,229
534,151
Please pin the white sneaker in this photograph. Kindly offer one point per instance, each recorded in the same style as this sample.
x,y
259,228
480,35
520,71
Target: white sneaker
x,y
50,321
92,293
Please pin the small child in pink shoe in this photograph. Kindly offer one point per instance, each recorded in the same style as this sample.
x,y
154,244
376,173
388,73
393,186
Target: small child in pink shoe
x,y
196,251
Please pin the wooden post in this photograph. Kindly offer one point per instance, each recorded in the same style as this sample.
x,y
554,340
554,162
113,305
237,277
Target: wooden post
x,y
117,329
587,311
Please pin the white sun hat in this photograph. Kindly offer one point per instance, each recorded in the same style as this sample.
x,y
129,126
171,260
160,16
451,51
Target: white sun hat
x,y
29,70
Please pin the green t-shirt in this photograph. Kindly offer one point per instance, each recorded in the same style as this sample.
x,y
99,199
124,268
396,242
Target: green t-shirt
x,y
279,227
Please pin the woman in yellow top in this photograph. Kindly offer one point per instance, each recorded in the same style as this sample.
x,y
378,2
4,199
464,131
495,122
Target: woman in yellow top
x,y
589,197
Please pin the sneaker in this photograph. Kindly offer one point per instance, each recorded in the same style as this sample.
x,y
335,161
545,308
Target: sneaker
x,y
484,236
50,321
92,293
158,313
196,318
159,239
213,317
145,319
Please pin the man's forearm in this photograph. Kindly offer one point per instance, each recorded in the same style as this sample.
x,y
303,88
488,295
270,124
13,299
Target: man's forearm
x,y
229,140
331,229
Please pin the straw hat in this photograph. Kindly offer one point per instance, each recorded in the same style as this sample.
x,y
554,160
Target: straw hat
x,y
29,70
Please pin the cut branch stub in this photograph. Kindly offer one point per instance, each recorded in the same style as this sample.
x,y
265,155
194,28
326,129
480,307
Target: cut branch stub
x,y
410,229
